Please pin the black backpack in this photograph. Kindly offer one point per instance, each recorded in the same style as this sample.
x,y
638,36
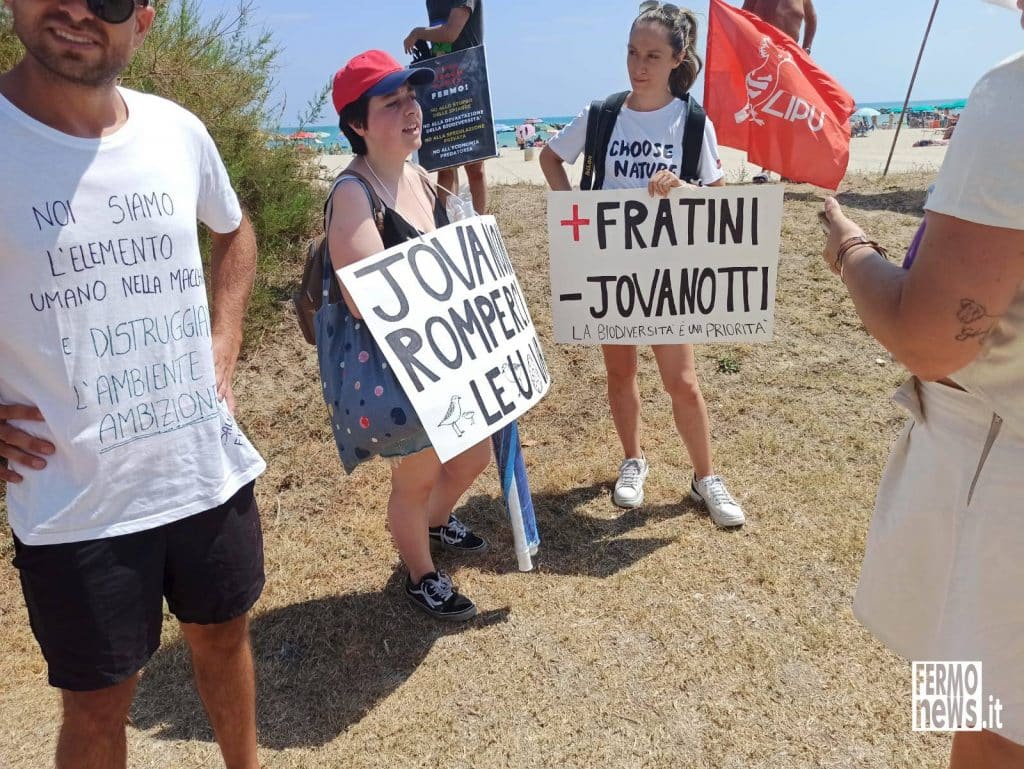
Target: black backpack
x,y
600,122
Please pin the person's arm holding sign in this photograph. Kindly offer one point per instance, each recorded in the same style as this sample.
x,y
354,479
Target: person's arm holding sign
x,y
445,33
233,271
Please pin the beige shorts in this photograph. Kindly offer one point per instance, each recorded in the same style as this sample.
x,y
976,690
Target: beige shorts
x,y
943,573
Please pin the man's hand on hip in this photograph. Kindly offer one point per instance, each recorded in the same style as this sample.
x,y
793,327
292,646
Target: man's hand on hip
x,y
225,358
17,446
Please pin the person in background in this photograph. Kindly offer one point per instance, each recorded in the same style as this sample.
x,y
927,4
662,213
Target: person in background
x,y
788,16
662,63
454,26
944,564
524,133
129,481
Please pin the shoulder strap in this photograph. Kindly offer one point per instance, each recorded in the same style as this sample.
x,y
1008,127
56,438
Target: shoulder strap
x,y
376,206
600,123
590,147
321,248
428,183
693,140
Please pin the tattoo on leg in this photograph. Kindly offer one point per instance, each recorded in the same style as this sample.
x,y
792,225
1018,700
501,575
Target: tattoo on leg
x,y
969,314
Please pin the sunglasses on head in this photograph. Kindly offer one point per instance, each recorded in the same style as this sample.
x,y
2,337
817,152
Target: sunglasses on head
x,y
114,11
653,5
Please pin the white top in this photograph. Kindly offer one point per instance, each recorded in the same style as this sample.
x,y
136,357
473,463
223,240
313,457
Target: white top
x,y
982,180
642,143
106,326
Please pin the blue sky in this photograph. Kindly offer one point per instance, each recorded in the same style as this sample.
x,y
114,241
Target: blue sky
x,y
550,57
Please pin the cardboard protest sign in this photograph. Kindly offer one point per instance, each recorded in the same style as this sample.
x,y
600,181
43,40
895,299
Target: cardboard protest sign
x,y
696,267
458,125
449,314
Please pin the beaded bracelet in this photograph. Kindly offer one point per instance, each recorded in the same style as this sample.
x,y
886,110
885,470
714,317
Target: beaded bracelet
x,y
851,243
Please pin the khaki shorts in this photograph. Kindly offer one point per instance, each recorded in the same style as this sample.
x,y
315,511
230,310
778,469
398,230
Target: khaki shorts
x,y
943,573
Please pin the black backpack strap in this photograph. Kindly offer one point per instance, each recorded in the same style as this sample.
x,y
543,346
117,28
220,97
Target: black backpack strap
x,y
600,123
590,147
376,210
376,206
693,140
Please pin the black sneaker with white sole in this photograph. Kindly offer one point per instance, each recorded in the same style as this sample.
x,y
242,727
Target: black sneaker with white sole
x,y
435,595
455,537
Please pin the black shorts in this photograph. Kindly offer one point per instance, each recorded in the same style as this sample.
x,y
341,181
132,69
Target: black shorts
x,y
96,607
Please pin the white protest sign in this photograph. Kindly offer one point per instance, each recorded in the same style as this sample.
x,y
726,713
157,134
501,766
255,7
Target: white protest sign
x,y
696,267
449,314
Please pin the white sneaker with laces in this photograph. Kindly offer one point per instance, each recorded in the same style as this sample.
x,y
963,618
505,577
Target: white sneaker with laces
x,y
629,489
711,492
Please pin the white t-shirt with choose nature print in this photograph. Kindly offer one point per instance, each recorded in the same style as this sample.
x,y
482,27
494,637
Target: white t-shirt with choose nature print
x,y
642,143
105,323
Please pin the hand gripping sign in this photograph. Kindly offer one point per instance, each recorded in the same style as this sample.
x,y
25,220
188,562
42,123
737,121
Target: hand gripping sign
x,y
696,267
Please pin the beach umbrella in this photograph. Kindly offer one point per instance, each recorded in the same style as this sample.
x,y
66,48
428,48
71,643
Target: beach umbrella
x,y
867,112
302,135
958,104
925,108
910,87
515,488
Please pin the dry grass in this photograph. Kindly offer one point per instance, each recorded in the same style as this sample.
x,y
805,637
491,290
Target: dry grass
x,y
647,639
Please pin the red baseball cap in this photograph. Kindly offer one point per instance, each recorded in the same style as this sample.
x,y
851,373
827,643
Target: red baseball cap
x,y
374,73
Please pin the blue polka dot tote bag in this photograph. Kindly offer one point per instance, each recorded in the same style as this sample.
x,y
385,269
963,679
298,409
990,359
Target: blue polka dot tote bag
x,y
370,412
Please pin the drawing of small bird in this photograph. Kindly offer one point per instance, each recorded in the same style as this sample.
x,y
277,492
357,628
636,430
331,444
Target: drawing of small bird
x,y
455,415
512,373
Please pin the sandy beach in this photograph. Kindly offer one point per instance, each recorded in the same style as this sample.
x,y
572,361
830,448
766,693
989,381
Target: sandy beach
x,y
867,156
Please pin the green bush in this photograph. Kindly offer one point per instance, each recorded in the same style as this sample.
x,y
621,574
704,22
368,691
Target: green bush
x,y
221,68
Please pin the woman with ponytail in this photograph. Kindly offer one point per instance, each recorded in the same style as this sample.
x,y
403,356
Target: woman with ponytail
x,y
645,150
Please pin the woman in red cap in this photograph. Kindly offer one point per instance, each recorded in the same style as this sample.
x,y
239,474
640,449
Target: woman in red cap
x,y
381,119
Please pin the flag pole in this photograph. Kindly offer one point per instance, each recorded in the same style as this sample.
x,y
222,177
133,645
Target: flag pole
x,y
910,88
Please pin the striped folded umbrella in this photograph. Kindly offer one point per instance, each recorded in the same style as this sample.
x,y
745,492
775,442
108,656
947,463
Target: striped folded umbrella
x,y
516,490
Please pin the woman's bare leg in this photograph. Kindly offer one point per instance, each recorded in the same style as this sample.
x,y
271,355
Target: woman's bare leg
x,y
679,376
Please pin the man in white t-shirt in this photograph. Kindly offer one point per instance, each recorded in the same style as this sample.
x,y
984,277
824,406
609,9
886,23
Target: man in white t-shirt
x,y
128,479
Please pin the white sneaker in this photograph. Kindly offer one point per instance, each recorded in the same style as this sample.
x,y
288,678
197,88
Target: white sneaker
x,y
629,489
724,510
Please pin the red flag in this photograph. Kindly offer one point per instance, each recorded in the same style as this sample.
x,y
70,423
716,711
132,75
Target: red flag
x,y
766,96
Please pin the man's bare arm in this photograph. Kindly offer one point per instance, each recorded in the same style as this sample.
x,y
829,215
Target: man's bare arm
x,y
233,271
446,33
810,24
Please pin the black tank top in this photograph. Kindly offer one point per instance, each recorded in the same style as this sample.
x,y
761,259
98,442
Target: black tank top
x,y
397,230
